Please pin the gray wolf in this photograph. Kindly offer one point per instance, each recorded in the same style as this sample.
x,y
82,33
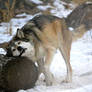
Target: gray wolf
x,y
18,73
48,33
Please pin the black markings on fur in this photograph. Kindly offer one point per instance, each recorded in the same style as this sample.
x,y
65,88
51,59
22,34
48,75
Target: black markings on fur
x,y
41,20
9,52
29,30
21,39
23,50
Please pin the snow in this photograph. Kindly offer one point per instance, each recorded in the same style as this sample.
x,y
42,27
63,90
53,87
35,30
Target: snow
x,y
81,55
22,91
37,1
44,7
57,10
71,29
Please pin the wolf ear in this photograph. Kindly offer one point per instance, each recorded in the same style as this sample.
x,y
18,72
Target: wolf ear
x,y
20,33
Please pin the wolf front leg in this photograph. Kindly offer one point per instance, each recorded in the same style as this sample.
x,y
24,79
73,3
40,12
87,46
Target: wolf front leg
x,y
48,59
40,65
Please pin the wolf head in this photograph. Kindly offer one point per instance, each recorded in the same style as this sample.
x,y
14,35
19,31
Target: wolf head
x,y
20,48
24,38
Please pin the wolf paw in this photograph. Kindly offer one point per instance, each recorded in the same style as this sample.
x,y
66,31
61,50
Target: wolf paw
x,y
67,80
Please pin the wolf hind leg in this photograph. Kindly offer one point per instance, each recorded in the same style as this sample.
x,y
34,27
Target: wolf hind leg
x,y
66,55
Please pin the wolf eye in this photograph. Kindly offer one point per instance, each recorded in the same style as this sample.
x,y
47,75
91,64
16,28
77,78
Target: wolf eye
x,y
13,49
19,43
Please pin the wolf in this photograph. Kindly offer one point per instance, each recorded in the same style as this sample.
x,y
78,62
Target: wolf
x,y
47,33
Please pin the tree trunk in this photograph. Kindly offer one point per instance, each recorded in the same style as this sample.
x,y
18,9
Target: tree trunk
x,y
9,8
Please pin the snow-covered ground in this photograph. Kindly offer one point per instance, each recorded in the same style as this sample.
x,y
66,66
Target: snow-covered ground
x,y
81,56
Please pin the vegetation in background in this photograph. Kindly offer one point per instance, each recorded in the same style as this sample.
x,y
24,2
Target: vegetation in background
x,y
8,12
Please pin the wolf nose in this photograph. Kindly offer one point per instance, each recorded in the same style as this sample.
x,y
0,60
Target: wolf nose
x,y
20,48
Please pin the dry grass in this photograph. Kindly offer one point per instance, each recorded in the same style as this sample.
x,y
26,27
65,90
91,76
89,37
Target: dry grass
x,y
78,2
